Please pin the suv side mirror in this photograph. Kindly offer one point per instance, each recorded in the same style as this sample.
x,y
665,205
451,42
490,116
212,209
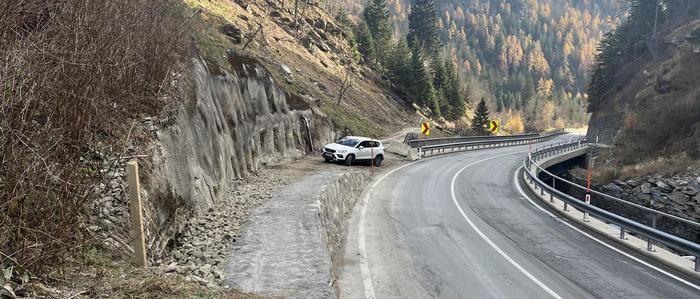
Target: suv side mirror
x,y
360,147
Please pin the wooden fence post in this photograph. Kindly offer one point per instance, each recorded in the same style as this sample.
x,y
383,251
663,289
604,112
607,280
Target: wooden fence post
x,y
136,208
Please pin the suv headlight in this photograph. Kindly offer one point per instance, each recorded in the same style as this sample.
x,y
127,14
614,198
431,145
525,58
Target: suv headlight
x,y
342,151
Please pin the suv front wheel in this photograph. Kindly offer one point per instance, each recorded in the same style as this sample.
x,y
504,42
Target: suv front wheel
x,y
349,159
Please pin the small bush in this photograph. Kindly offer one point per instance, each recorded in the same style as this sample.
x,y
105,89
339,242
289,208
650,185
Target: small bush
x,y
73,76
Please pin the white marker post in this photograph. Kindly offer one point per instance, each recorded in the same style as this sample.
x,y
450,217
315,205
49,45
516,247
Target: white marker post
x,y
588,190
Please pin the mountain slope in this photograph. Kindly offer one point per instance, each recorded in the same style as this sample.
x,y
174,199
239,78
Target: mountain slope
x,y
645,92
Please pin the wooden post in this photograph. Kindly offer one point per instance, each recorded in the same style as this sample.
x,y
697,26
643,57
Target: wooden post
x,y
136,208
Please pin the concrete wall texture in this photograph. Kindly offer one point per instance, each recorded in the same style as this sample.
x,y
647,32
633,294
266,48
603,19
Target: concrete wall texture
x,y
238,122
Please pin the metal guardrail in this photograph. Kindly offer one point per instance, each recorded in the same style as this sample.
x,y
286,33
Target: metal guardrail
x,y
416,143
492,141
532,169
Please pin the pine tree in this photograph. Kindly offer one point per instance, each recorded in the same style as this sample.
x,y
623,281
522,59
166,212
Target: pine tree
x,y
399,65
499,104
422,26
453,92
481,118
365,43
422,82
440,78
376,15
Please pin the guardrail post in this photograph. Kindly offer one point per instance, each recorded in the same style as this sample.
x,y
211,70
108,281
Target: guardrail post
x,y
551,194
622,233
650,245
697,264
566,207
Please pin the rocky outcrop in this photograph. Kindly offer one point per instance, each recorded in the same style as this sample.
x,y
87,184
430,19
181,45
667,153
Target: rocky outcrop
x,y
678,195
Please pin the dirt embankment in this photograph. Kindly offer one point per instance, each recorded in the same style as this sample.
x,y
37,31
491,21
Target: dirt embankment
x,y
655,109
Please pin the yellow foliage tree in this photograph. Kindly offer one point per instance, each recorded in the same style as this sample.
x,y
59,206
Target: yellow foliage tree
x,y
515,123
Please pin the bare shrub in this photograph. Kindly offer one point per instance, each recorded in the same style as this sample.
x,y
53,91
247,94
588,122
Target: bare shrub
x,y
73,75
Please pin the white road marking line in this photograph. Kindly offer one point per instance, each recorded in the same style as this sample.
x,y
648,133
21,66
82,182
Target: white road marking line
x,y
364,265
483,236
520,189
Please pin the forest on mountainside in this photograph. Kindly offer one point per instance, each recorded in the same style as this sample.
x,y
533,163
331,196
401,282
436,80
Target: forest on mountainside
x,y
529,59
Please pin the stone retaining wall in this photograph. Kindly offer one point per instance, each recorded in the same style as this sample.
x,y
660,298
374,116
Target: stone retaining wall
x,y
336,203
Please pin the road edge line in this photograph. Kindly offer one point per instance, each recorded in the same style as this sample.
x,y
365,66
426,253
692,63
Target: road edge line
x,y
634,258
364,265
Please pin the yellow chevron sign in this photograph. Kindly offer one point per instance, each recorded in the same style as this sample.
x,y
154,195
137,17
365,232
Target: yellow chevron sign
x,y
495,126
425,128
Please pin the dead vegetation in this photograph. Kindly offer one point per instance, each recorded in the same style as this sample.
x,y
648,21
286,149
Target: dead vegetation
x,y
73,76
605,174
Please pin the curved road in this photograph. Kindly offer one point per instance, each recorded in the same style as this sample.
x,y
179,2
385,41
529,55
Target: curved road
x,y
456,226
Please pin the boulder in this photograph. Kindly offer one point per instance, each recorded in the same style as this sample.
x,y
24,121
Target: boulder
x,y
232,32
661,185
286,70
320,24
613,188
324,47
646,188
679,198
323,35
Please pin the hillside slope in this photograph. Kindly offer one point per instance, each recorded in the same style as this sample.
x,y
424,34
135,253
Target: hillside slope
x,y
651,104
313,59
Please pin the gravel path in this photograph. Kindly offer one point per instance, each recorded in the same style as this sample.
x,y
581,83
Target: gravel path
x,y
281,252
206,242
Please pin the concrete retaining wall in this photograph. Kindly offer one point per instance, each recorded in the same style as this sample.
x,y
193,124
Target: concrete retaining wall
x,y
239,121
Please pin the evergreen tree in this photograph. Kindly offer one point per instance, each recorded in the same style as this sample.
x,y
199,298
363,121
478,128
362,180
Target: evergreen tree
x,y
365,43
453,92
499,104
422,26
422,82
399,65
481,118
376,15
440,78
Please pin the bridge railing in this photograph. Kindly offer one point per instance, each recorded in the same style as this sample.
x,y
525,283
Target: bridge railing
x,y
649,231
462,143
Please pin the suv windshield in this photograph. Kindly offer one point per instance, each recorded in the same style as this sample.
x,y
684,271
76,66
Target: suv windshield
x,y
348,142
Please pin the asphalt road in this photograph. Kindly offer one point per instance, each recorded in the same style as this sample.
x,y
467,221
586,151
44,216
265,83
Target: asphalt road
x,y
456,226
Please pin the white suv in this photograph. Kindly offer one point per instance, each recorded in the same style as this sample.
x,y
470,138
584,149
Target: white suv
x,y
353,148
